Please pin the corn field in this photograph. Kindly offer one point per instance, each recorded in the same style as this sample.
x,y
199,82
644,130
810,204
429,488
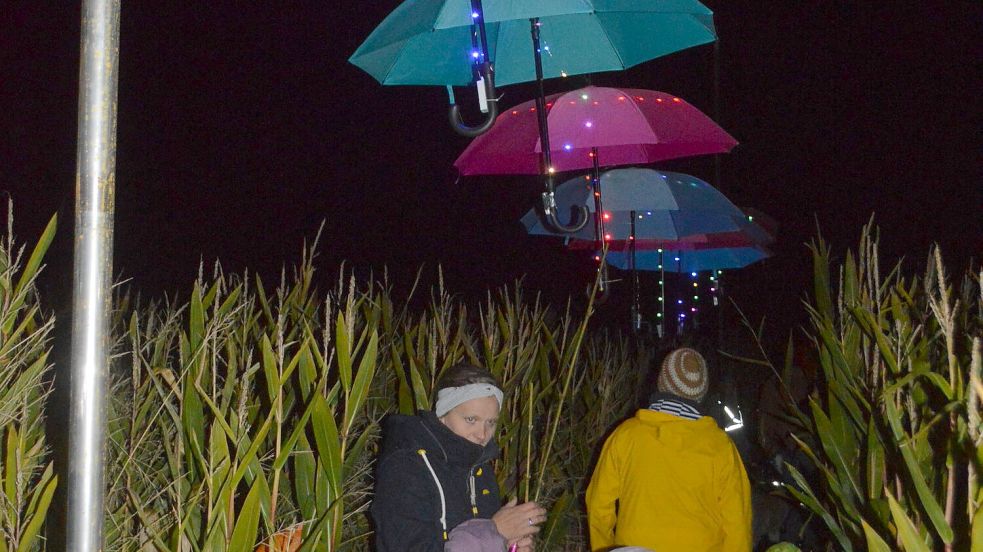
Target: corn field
x,y
27,479
893,427
246,416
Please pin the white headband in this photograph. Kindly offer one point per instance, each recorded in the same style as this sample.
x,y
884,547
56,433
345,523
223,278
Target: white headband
x,y
449,397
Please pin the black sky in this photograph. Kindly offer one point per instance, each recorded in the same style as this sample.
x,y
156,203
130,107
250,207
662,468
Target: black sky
x,y
242,127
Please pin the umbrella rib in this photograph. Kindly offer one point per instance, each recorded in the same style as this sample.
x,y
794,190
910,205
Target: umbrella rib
x,y
610,42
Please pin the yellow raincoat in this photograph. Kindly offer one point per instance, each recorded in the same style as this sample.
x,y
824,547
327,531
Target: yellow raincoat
x,y
679,484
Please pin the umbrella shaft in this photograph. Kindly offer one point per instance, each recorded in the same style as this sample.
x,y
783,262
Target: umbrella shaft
x,y
599,229
478,16
544,133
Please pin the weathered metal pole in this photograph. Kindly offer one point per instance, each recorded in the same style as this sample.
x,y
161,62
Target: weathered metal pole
x,y
94,197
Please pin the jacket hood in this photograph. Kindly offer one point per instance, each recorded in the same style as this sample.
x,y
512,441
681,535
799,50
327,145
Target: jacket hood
x,y
677,431
425,431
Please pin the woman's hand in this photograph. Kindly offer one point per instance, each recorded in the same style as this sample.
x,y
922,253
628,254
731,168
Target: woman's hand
x,y
519,521
525,544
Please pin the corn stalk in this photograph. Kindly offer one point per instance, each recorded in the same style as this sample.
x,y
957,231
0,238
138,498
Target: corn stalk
x,y
895,422
27,478
243,419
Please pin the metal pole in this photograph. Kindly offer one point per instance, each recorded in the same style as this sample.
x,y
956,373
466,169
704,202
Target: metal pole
x,y
95,180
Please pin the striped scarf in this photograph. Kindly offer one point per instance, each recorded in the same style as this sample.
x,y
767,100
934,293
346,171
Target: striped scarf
x,y
676,408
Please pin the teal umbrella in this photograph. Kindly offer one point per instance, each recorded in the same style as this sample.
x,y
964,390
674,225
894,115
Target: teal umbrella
x,y
462,42
459,42
429,42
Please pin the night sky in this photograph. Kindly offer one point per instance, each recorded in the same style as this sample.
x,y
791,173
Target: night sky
x,y
242,127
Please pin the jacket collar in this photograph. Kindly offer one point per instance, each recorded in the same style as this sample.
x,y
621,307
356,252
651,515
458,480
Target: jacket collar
x,y
453,448
675,405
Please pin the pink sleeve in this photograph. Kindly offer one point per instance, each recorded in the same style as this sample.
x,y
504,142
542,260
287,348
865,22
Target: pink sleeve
x,y
475,535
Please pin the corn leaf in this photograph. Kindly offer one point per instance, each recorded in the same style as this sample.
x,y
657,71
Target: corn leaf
x,y
876,462
910,538
10,467
34,262
914,474
247,524
303,476
363,378
270,369
874,541
805,495
871,325
343,353
828,437
976,535
326,440
36,514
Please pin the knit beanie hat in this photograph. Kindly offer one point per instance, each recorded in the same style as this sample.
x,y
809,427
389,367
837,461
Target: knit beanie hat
x,y
684,374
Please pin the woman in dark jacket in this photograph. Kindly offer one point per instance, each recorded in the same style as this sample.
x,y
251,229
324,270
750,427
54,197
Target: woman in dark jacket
x,y
435,490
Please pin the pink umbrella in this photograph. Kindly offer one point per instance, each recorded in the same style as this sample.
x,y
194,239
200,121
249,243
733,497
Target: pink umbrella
x,y
694,242
620,126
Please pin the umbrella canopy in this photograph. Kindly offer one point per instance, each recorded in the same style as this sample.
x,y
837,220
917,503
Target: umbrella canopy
x,y
751,235
692,260
620,126
666,205
430,42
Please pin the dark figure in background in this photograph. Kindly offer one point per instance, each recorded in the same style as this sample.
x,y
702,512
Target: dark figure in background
x,y
669,478
434,488
782,517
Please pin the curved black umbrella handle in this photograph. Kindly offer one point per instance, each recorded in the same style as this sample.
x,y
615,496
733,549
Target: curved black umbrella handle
x,y
458,124
549,210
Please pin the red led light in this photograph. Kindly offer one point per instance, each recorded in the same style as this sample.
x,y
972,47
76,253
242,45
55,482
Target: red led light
x,y
677,100
621,98
658,100
607,237
607,216
515,112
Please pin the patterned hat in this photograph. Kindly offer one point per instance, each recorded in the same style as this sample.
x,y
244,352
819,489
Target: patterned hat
x,y
684,374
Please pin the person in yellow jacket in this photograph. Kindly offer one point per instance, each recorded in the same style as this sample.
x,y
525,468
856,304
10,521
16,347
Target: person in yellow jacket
x,y
669,479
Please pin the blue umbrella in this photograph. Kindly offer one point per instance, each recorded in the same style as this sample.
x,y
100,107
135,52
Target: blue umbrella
x,y
688,260
713,259
666,205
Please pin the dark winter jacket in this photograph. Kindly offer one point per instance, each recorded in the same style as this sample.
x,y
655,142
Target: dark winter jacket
x,y
417,452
